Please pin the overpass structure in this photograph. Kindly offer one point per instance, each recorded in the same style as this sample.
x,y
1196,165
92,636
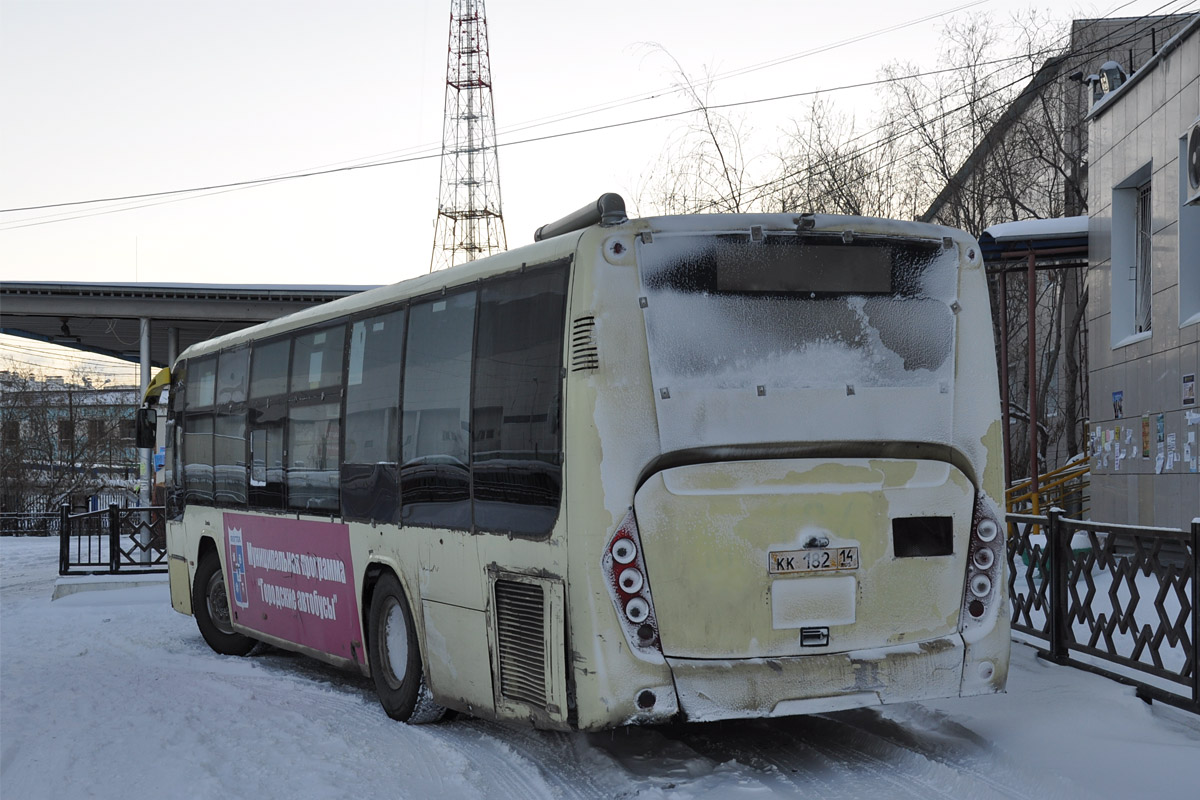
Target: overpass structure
x,y
148,324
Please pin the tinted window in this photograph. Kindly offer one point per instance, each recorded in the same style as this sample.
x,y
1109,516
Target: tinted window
x,y
198,458
231,376
373,389
518,393
435,450
370,474
269,368
202,382
317,359
266,456
229,459
312,457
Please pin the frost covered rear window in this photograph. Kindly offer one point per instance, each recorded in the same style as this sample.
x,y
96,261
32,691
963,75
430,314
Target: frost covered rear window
x,y
815,265
797,311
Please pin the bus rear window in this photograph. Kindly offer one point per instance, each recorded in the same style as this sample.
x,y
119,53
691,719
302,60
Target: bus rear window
x,y
797,311
814,266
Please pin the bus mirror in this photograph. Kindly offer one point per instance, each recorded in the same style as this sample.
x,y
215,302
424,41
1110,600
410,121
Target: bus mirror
x,y
147,424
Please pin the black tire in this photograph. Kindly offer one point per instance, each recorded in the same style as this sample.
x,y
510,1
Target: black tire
x,y
394,657
210,605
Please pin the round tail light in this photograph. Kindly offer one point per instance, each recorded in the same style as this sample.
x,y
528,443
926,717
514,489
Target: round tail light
x,y
637,610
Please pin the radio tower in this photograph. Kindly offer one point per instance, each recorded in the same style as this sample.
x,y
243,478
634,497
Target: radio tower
x,y
469,222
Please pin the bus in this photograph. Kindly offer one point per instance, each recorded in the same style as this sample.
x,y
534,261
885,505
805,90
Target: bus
x,y
676,468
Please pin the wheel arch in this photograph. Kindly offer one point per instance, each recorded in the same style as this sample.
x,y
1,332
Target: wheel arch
x,y
206,545
371,575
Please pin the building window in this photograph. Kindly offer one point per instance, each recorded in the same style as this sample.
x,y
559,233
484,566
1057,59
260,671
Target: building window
x,y
1141,287
12,431
1189,243
66,435
1131,267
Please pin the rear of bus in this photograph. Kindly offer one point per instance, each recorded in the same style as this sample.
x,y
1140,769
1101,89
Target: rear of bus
x,y
784,460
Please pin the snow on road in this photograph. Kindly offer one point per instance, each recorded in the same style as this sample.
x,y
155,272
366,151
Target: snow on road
x,y
111,694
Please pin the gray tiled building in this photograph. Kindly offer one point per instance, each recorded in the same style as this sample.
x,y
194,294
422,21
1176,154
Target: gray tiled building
x,y
1144,286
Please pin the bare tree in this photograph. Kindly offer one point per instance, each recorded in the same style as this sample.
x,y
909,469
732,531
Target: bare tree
x,y
62,440
992,136
704,166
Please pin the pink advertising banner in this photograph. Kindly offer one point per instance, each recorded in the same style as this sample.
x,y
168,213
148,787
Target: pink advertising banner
x,y
294,579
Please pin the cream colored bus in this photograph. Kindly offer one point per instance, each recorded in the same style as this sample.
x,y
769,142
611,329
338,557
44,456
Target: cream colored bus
x,y
673,468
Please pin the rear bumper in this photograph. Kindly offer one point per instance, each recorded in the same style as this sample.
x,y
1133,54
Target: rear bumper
x,y
711,689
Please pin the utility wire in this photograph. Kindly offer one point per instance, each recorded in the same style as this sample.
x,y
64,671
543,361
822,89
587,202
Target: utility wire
x,y
828,169
235,185
220,188
348,166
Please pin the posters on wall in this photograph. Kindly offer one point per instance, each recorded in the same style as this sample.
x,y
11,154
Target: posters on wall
x,y
1189,389
1112,445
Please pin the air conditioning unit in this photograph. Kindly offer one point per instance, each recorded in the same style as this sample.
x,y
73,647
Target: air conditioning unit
x,y
1192,167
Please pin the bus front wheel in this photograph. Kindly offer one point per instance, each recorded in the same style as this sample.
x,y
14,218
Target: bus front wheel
x,y
210,604
395,658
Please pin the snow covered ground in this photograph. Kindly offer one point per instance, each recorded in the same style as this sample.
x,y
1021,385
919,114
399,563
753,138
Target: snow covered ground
x,y
111,694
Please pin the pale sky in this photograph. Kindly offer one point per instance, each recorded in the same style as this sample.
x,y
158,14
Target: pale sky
x,y
105,98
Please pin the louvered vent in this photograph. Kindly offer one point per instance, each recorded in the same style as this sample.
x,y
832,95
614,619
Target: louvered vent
x,y
521,634
584,353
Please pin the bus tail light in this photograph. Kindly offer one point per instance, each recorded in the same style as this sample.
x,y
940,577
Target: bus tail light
x,y
985,559
625,573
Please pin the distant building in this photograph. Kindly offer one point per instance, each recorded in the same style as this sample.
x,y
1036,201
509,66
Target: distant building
x,y
65,443
1144,283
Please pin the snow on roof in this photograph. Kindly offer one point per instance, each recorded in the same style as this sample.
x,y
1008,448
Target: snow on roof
x,y
1027,229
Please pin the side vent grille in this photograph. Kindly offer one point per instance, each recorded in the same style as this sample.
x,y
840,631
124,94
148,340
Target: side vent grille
x,y
584,353
521,636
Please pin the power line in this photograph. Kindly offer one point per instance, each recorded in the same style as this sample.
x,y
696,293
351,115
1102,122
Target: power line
x,y
764,188
203,191
219,188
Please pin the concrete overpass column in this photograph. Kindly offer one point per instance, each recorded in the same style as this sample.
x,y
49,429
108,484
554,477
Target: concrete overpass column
x,y
172,345
146,454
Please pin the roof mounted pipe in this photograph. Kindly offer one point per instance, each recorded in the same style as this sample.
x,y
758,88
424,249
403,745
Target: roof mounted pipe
x,y
607,211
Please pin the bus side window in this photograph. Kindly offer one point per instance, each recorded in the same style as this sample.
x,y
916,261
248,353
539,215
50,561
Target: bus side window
x,y
314,420
515,458
229,432
173,477
267,412
198,431
435,477
370,479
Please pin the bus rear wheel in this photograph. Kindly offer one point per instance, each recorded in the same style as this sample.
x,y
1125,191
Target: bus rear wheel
x,y
395,658
210,604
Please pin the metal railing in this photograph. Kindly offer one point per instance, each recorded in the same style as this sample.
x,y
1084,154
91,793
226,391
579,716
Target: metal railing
x,y
112,540
21,523
1065,487
1121,595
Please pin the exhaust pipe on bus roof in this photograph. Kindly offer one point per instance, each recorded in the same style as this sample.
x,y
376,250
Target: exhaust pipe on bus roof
x,y
608,210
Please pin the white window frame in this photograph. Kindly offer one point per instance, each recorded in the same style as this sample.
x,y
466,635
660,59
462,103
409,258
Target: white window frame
x,y
1131,257
1189,244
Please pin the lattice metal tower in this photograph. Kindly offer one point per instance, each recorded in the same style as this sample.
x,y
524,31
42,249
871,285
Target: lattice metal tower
x,y
469,222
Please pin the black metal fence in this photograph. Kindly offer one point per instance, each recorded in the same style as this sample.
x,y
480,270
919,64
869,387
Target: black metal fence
x,y
20,523
112,540
1120,595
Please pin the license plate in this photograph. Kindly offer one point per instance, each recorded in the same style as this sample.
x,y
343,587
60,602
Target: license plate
x,y
828,559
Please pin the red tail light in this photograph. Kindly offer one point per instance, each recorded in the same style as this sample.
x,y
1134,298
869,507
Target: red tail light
x,y
985,560
625,572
